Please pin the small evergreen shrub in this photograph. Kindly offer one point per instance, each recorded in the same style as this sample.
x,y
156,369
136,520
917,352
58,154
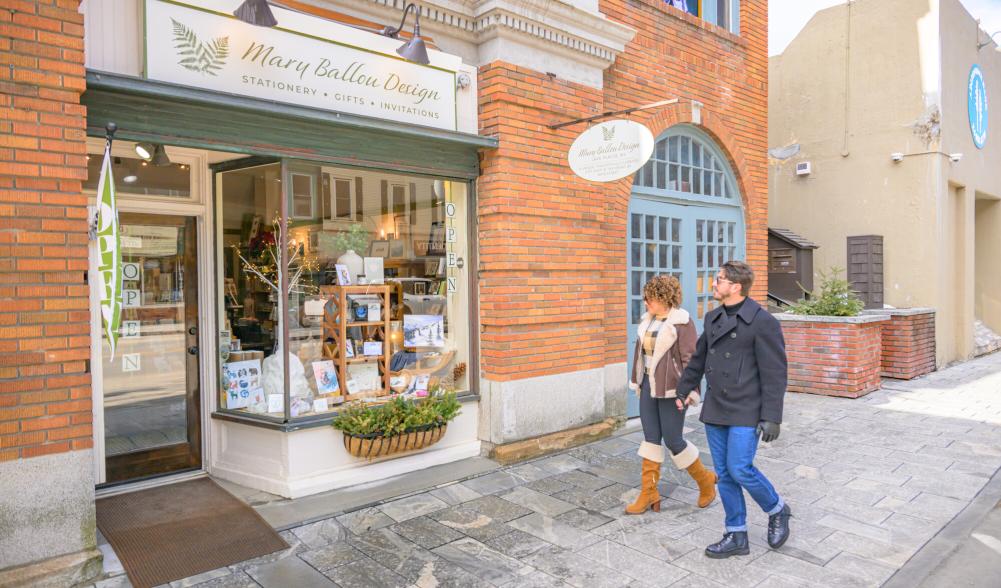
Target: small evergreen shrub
x,y
836,298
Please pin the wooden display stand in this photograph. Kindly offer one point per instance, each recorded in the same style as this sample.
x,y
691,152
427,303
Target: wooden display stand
x,y
337,319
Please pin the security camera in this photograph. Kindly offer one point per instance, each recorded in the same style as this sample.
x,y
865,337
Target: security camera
x,y
955,157
897,157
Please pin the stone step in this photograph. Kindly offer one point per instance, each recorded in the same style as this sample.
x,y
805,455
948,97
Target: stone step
x,y
986,340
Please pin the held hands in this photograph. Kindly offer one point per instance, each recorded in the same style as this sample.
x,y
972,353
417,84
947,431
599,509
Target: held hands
x,y
768,431
688,401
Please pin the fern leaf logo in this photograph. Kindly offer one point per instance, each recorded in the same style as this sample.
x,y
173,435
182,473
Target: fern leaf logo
x,y
201,57
608,133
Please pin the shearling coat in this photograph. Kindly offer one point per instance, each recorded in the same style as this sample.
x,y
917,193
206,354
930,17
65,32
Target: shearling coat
x,y
743,359
678,329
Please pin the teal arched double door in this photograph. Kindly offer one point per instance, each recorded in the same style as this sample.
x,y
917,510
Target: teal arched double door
x,y
685,219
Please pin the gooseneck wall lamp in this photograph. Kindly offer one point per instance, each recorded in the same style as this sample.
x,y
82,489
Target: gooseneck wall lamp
x,y
989,40
153,153
256,12
414,49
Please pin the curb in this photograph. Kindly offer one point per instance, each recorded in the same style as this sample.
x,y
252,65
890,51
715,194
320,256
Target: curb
x,y
948,539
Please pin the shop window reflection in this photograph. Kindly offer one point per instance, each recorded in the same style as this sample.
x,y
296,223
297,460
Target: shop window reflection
x,y
393,237
382,253
250,371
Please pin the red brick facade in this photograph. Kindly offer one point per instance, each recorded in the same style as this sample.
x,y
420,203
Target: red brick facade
x,y
908,346
45,402
552,246
833,358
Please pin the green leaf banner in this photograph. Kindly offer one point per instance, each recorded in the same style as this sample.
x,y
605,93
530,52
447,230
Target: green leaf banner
x,y
109,249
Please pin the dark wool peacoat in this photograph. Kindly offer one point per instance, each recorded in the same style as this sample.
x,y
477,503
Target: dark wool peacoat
x,y
743,359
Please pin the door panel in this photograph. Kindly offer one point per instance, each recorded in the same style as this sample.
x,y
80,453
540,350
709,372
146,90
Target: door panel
x,y
150,390
687,241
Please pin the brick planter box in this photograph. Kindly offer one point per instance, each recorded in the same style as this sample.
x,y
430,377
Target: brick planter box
x,y
908,342
833,356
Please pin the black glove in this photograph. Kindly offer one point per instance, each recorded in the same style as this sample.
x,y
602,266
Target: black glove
x,y
768,431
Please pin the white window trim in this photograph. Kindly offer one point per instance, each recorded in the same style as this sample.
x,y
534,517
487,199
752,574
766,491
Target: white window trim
x,y
312,196
337,175
731,14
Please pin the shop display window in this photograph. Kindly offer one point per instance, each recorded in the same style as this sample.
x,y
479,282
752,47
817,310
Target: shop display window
x,y
377,298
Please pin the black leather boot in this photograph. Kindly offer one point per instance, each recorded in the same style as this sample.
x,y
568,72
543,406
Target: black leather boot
x,y
734,543
778,527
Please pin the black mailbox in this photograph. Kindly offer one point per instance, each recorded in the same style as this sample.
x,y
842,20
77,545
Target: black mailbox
x,y
790,263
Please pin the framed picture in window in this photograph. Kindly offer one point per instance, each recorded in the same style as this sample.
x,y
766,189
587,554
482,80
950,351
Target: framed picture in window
x,y
396,248
303,196
436,239
379,248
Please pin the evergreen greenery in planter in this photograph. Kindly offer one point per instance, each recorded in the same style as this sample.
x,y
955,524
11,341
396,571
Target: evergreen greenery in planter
x,y
398,425
836,298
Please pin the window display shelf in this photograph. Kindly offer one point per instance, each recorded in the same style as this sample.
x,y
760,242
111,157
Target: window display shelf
x,y
335,331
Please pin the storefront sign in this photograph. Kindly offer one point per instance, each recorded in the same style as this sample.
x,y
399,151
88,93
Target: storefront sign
x,y
130,271
130,329
297,62
976,97
611,150
131,362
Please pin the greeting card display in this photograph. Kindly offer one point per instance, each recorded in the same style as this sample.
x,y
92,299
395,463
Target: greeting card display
x,y
326,377
424,330
242,383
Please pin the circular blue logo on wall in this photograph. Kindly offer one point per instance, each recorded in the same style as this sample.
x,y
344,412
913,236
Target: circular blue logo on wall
x,y
976,96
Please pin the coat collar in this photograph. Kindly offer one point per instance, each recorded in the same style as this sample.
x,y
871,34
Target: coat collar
x,y
676,316
723,324
746,313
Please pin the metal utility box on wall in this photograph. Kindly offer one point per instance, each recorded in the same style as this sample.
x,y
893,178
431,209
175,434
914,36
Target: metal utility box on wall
x,y
865,268
790,263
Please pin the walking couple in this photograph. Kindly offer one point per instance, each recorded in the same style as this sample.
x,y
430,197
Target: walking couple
x,y
741,353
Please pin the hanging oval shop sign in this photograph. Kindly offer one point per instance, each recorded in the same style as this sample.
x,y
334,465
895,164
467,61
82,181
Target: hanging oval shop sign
x,y
611,150
976,96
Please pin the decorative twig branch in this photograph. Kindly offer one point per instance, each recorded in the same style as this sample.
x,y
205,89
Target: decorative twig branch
x,y
296,265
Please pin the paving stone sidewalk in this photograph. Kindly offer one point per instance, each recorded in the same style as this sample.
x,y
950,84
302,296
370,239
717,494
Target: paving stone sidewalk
x,y
869,481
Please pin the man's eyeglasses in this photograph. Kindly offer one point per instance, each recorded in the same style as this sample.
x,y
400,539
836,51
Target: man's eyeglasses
x,y
722,279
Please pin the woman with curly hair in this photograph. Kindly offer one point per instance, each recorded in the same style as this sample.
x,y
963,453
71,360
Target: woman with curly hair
x,y
665,342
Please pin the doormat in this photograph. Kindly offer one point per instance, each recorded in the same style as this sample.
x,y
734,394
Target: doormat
x,y
172,532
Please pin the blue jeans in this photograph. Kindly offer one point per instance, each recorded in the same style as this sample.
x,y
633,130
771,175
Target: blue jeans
x,y
733,450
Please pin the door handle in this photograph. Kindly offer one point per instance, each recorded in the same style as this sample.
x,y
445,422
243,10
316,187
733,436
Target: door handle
x,y
193,350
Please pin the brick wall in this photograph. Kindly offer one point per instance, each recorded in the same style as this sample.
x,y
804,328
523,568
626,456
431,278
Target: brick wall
x,y
553,247
45,402
833,359
908,346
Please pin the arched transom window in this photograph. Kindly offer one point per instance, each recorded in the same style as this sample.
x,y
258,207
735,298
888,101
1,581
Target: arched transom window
x,y
687,164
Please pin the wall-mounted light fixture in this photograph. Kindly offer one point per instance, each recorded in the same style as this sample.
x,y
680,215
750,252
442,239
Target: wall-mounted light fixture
x,y
144,151
414,49
989,40
160,158
256,12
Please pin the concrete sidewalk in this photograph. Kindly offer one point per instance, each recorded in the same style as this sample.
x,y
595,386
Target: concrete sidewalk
x,y
870,482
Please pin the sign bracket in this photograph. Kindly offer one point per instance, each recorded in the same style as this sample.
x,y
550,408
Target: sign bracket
x,y
614,113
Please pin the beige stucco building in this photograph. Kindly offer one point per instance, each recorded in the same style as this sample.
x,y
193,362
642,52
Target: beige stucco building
x,y
874,95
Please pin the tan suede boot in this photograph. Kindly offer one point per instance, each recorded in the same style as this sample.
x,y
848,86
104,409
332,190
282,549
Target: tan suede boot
x,y
649,497
706,481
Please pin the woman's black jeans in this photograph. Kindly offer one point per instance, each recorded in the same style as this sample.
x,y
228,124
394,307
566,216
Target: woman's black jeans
x,y
662,421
